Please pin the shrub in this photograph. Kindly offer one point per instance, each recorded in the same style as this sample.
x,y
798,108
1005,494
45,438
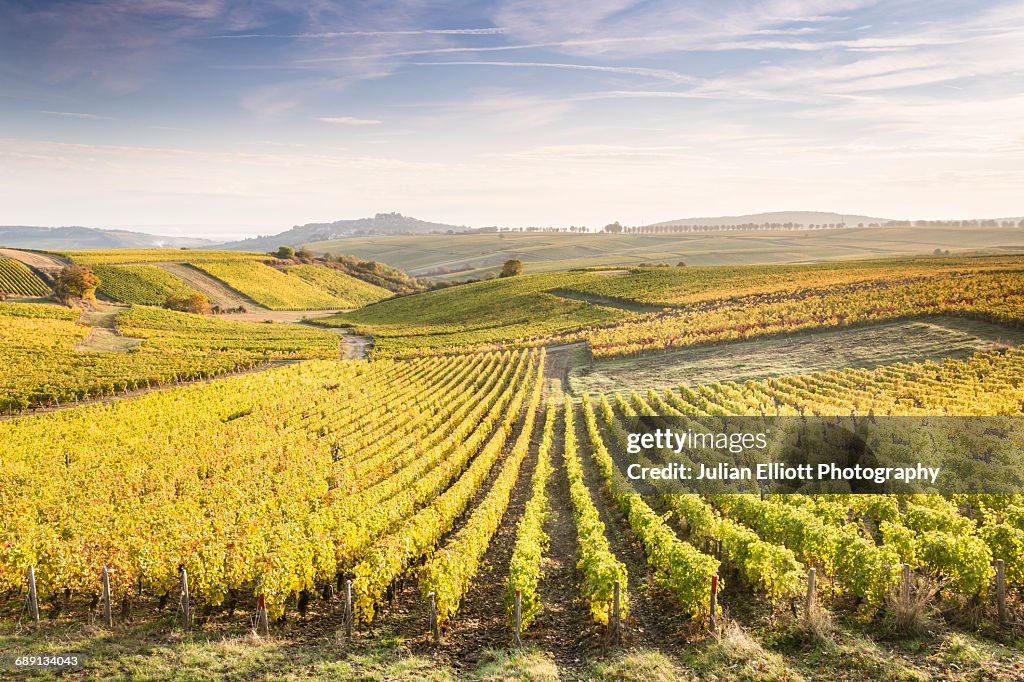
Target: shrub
x,y
75,282
512,268
196,304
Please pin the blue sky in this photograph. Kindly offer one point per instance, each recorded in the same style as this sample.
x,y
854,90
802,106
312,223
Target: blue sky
x,y
230,118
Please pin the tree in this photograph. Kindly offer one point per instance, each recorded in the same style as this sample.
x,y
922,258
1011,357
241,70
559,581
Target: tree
x,y
285,252
305,255
75,282
614,228
196,304
512,268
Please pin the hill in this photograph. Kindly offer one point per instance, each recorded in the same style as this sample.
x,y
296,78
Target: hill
x,y
234,279
778,218
644,309
74,238
474,256
380,224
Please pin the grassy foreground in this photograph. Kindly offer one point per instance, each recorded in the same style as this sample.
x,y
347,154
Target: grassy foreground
x,y
154,650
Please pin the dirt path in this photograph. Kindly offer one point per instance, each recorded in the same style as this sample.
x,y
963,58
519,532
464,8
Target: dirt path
x,y
607,301
480,623
653,620
104,337
353,346
563,626
46,264
560,359
215,290
263,315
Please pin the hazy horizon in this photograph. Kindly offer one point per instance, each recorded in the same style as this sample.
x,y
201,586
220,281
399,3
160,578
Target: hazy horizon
x,y
223,119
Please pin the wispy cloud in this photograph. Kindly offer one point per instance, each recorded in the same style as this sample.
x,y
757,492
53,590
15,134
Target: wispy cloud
x,y
76,114
662,74
349,120
351,34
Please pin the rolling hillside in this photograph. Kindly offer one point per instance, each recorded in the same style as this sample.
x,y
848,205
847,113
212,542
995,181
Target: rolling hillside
x,y
61,238
229,279
380,224
472,256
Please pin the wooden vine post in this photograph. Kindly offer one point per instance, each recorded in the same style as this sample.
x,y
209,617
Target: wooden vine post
x,y
107,616
435,630
348,608
809,599
1001,590
262,620
616,613
519,617
712,621
33,595
186,604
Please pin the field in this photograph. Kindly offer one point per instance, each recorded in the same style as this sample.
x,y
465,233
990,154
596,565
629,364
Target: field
x,y
477,460
271,288
660,308
42,365
139,284
139,256
884,344
229,279
18,280
462,256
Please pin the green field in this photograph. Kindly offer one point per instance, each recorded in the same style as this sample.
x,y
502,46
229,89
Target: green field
x,y
139,284
17,279
481,255
647,309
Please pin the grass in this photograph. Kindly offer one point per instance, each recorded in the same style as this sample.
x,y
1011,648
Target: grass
x,y
867,347
509,310
154,648
481,255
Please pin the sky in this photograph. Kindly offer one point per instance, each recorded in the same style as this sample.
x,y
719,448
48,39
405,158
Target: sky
x,y
222,119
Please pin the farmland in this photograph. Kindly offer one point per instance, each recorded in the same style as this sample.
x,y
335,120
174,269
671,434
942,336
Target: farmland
x,y
463,256
660,308
477,459
269,287
139,284
229,279
42,367
18,280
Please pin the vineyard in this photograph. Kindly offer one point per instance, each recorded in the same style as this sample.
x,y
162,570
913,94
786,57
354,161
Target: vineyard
x,y
151,276
269,287
139,284
664,308
429,507
41,367
141,256
17,279
352,292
